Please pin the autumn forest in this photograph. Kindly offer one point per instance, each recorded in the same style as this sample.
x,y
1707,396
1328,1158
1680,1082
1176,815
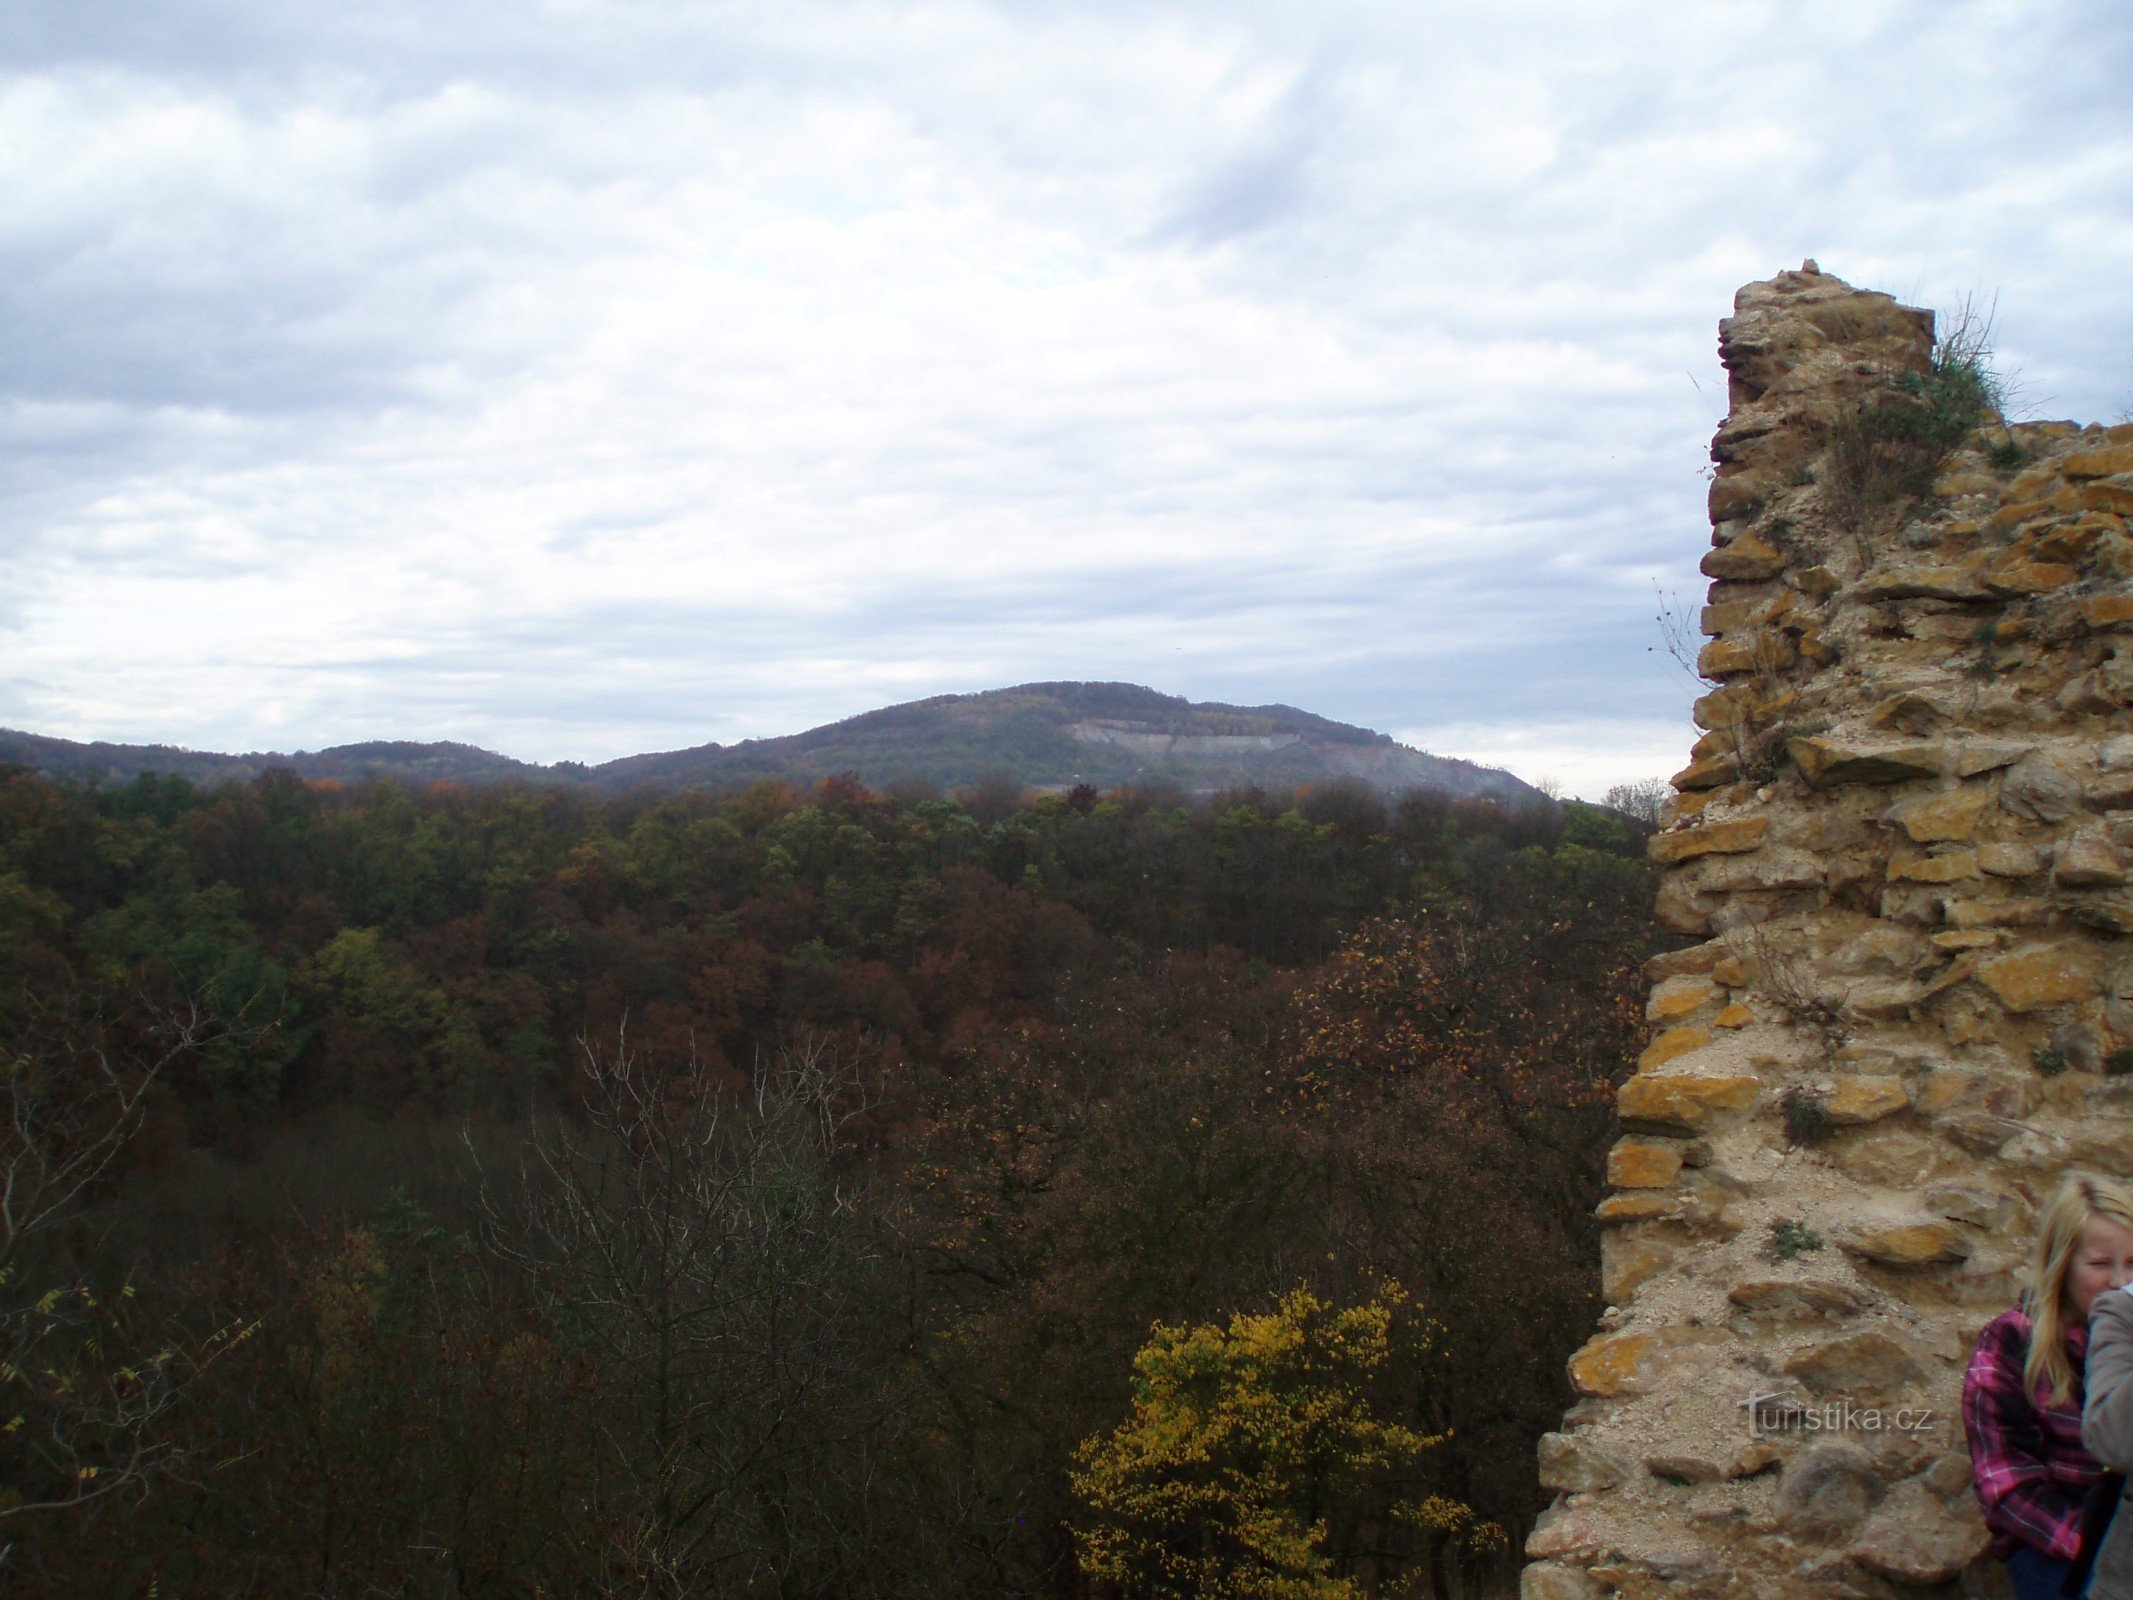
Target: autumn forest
x,y
797,1192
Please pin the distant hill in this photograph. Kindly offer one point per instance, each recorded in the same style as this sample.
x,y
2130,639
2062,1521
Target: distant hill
x,y
1042,735
402,759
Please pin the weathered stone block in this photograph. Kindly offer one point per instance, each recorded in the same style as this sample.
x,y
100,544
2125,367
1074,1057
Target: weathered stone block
x,y
2041,789
1828,1491
1750,558
1797,1299
1863,1366
1685,1102
1713,838
1575,1464
2106,462
2089,860
2029,980
1953,867
1637,1205
1549,1580
1680,997
2010,859
1672,1044
1629,1258
1932,818
1564,1531
1826,762
1642,1164
1926,580
1915,1244
1860,1100
1920,1540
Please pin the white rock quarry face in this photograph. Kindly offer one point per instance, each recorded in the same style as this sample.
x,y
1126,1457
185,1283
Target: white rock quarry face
x,y
1901,851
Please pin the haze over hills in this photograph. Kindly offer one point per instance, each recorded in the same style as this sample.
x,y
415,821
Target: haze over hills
x,y
1042,735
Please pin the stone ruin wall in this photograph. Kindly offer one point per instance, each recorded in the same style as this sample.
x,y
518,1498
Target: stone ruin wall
x,y
1902,846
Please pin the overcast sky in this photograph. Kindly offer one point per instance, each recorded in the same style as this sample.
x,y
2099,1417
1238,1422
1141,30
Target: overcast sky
x,y
596,376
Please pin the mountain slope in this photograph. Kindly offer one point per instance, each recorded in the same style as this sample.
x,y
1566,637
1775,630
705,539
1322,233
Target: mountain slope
x,y
1044,735
1059,734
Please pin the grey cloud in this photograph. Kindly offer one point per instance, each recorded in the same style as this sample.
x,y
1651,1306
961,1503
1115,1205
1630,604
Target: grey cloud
x,y
1377,401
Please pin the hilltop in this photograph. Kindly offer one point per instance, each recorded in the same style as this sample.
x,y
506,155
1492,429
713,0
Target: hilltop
x,y
1041,735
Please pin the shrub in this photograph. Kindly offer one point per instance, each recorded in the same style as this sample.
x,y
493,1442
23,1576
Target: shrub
x,y
1891,447
1806,1116
1790,1239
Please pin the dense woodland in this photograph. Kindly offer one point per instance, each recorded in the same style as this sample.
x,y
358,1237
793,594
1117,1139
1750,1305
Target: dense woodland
x,y
510,1192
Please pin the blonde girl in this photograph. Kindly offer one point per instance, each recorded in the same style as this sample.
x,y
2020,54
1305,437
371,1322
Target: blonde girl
x,y
2023,1390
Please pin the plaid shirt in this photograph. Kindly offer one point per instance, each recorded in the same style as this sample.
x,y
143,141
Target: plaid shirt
x,y
2026,1459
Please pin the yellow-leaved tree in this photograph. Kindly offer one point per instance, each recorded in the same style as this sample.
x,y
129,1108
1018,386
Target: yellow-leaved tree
x,y
1265,1461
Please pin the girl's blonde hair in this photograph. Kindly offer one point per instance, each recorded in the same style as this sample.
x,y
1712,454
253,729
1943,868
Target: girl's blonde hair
x,y
2081,1199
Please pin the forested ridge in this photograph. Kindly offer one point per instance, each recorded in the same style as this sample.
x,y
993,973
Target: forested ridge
x,y
514,1191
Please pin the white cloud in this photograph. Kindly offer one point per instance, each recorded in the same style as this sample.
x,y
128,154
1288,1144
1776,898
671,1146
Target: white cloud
x,y
597,376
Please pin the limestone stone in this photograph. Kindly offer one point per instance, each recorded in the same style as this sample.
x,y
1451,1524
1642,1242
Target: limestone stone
x,y
1968,758
1670,1045
1990,1209
1750,558
1914,1244
2114,498
1828,1491
1573,1463
2020,913
1730,971
1712,772
1684,1468
2029,980
1860,1100
1628,1258
1920,580
1550,1580
1629,1363
1679,909
2102,611
1713,838
2088,860
1680,997
1684,1101
1950,815
1952,867
2109,912
2028,577
1736,1015
2009,859
1752,1460
1918,1539
1982,1133
2041,789
1797,1299
1867,1366
1612,1364
1826,762
1761,650
1888,1157
2106,462
1564,1531
1642,1164
1638,1205
1946,1086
